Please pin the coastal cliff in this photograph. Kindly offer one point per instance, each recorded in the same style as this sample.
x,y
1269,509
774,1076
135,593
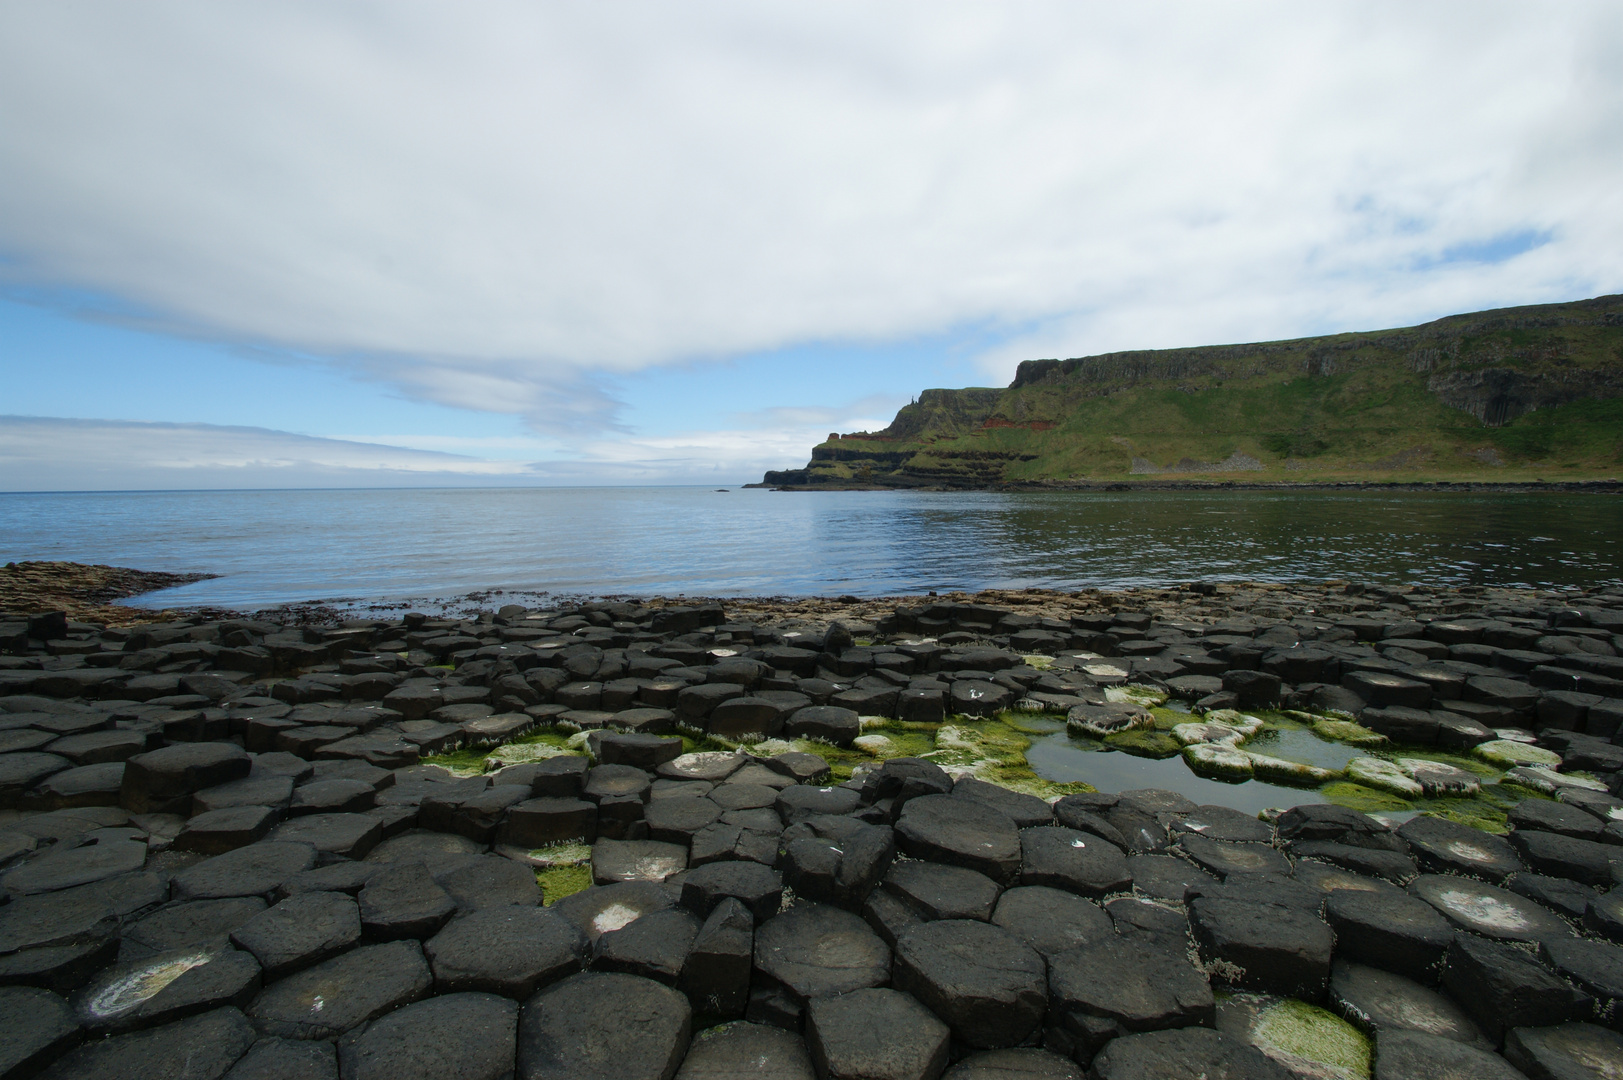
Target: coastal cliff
x,y
1510,395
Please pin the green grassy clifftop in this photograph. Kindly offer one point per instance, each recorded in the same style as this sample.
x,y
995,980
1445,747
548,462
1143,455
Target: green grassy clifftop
x,y
1512,395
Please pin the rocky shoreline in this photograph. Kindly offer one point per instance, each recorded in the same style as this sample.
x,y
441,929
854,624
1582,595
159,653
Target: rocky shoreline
x,y
797,838
777,482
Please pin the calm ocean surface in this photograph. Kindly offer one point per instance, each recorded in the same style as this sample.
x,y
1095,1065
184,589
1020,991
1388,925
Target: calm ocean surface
x,y
274,547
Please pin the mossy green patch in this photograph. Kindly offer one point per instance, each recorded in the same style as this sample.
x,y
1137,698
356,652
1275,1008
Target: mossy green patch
x,y
1311,1042
1349,732
1366,799
562,881
1150,744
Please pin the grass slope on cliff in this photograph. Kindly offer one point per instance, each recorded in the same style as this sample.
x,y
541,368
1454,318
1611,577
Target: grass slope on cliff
x,y
1517,394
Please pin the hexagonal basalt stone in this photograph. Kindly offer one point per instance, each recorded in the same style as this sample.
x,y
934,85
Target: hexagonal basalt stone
x,y
1026,1064
1503,987
757,887
599,911
1566,1050
578,1029
69,866
1380,1001
636,860
468,1036
1417,1055
736,1050
480,881
301,930
337,995
404,901
1078,862
655,946
1393,932
1271,949
154,780
36,1026
219,831
350,835
960,832
287,1059
1224,858
512,951
1051,920
1186,1054
988,985
197,1048
1488,910
166,987
815,950
1444,847
254,870
936,891
1098,992
880,1034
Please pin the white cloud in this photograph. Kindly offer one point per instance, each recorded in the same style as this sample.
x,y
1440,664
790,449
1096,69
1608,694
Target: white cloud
x,y
484,206
55,454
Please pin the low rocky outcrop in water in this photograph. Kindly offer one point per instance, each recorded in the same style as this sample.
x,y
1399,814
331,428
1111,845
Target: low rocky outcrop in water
x,y
222,853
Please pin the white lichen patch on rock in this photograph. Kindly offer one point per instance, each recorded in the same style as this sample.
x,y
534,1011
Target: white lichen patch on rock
x,y
557,855
1281,771
1218,761
521,753
1507,754
1195,733
1239,721
1384,775
877,745
1349,732
129,990
1147,696
1437,779
1549,781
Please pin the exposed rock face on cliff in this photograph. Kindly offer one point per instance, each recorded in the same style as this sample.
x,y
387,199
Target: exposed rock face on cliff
x,y
1490,395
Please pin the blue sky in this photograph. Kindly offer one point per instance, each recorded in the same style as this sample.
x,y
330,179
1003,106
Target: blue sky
x,y
364,242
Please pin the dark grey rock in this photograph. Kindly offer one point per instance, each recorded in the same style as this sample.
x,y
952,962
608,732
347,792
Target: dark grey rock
x,y
187,924
255,870
803,801
1577,1051
987,984
66,866
1393,932
890,916
714,766
937,891
468,1036
1595,967
479,881
1222,823
219,831
404,901
1377,1001
879,1034
349,835
1547,815
1166,877
827,722
815,950
1586,861
1076,861
87,785
1018,1064
1417,1055
1101,991
837,860
647,752
1276,950
513,951
654,946
1157,923
165,987
325,1001
1502,987
474,816
1388,865
336,796
1488,909
678,820
802,768
599,911
758,888
287,1059
548,820
635,860
1025,810
1444,847
153,781
431,848
961,832
1569,898
577,1030
716,974
344,877
1223,858
197,1048
741,1050
743,796
21,771
36,1027
1185,1054
301,930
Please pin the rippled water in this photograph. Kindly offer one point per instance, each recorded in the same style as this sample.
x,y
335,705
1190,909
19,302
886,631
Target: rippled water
x,y
273,547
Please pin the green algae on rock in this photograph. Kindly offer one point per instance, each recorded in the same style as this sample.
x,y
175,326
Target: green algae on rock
x,y
1309,1042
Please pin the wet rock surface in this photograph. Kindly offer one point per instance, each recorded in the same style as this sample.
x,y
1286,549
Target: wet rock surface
x,y
223,852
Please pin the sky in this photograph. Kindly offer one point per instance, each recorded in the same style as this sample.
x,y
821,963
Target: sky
x,y
422,243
